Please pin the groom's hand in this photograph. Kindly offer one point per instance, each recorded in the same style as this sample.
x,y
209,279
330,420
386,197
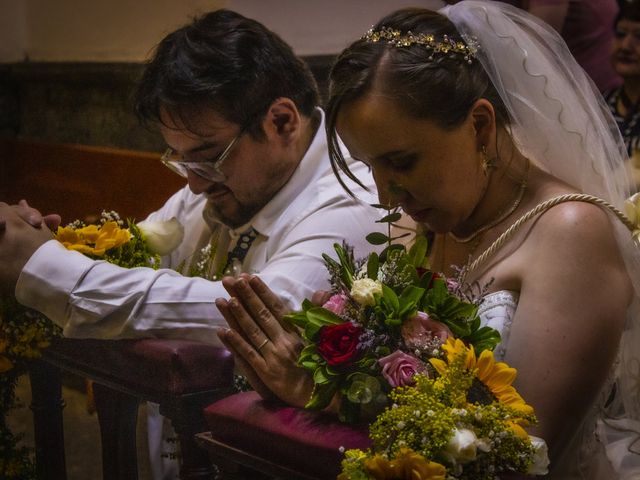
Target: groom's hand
x,y
34,218
18,241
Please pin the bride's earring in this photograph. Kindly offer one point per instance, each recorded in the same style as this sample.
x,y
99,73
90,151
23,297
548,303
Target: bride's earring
x,y
486,162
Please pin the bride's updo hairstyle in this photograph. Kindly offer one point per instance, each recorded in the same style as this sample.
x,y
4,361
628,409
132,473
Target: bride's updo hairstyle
x,y
440,86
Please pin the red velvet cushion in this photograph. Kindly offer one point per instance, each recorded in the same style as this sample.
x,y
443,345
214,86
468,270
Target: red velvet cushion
x,y
304,441
153,366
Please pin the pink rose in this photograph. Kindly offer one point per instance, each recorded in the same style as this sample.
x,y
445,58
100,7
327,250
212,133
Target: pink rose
x,y
399,368
336,303
420,329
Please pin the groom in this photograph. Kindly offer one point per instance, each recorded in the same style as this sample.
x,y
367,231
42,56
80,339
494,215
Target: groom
x,y
239,113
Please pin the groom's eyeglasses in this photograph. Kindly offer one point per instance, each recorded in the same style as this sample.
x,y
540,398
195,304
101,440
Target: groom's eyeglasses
x,y
208,169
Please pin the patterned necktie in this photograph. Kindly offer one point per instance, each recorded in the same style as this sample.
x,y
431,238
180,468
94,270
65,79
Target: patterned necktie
x,y
236,256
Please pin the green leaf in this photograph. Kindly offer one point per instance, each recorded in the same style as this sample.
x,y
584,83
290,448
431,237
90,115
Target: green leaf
x,y
392,217
322,396
393,321
373,262
407,311
318,317
418,251
385,252
308,353
322,316
346,264
409,300
320,376
485,338
411,294
299,319
425,280
307,304
458,328
377,238
390,298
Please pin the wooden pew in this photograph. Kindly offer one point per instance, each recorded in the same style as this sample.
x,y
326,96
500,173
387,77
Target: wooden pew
x,y
79,181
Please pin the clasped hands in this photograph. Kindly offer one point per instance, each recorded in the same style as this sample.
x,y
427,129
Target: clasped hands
x,y
265,346
23,230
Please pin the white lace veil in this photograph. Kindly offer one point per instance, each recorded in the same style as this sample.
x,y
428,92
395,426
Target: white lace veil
x,y
562,123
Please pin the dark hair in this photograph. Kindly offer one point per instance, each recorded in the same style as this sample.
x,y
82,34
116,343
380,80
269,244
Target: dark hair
x,y
442,88
226,62
629,10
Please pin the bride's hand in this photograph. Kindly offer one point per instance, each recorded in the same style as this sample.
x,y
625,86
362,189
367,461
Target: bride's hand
x,y
265,346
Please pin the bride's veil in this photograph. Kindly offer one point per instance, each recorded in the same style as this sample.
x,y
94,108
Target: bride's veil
x,y
560,121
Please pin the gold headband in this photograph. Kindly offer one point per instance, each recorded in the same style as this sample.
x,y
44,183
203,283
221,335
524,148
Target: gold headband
x,y
447,46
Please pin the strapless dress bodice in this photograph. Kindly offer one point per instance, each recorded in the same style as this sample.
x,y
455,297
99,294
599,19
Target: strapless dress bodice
x,y
497,311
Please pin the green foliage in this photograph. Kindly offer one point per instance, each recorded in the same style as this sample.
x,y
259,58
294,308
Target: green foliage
x,y
134,253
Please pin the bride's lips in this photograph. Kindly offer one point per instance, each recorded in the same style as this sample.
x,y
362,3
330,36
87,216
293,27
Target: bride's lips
x,y
418,215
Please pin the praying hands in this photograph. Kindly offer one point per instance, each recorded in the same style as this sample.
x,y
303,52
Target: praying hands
x,y
265,346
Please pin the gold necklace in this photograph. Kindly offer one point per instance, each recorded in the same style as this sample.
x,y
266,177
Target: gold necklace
x,y
502,215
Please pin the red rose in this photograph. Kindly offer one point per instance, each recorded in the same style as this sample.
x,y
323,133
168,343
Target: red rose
x,y
338,343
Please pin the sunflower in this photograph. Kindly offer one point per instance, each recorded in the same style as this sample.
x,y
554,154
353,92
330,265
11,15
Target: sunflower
x,y
492,381
93,239
407,465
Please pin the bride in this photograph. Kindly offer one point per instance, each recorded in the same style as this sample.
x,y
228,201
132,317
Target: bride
x,y
470,118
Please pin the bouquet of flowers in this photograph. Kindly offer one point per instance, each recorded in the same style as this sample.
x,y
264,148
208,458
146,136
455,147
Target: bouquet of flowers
x,y
398,338
25,333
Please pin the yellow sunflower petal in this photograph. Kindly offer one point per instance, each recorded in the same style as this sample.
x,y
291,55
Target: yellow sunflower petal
x,y
84,249
470,359
453,347
439,365
518,430
501,374
66,235
485,361
89,233
515,401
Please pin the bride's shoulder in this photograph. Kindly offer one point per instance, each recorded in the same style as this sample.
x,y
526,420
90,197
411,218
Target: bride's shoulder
x,y
575,233
581,218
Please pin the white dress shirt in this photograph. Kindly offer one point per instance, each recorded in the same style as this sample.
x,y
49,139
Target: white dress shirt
x,y
95,299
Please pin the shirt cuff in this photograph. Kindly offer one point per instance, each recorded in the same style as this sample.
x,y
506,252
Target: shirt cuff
x,y
49,277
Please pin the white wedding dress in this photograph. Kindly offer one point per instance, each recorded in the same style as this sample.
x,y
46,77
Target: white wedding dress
x,y
584,458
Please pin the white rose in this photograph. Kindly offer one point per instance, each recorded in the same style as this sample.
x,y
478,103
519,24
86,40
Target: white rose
x,y
462,447
632,208
364,290
540,465
162,236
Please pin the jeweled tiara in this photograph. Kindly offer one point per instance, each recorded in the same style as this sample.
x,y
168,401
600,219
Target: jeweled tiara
x,y
447,46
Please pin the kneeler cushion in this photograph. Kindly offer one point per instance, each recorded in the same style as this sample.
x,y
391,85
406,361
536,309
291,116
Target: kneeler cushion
x,y
150,366
304,441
